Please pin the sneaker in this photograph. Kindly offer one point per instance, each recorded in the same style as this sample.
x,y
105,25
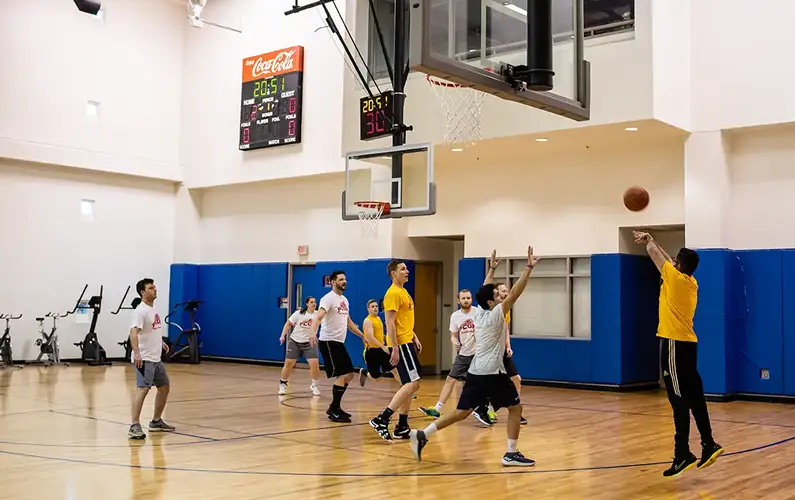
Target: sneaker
x,y
680,465
417,443
362,376
160,426
136,432
338,417
492,416
709,453
381,427
516,459
282,389
315,389
402,432
431,412
483,417
522,421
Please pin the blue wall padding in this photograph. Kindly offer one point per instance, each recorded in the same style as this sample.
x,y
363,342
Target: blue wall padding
x,y
184,286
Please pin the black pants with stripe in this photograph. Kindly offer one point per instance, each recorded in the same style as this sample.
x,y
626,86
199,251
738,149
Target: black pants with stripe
x,y
679,362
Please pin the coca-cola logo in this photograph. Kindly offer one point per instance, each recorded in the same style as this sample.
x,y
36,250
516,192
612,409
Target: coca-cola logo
x,y
282,62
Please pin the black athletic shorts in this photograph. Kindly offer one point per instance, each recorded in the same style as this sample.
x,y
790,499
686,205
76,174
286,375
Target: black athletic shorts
x,y
409,364
510,366
479,390
377,361
336,360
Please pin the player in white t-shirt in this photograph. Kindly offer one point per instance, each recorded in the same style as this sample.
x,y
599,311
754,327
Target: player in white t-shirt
x,y
333,316
146,339
487,379
298,345
462,336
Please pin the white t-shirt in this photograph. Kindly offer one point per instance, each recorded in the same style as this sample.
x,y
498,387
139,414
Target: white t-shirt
x,y
464,323
150,338
489,341
335,322
303,326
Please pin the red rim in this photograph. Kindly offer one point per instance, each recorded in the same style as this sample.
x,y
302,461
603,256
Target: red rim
x,y
373,204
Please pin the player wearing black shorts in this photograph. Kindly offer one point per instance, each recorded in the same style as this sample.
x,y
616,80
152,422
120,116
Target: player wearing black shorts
x,y
376,353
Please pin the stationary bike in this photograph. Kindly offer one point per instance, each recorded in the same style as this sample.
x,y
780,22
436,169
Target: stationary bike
x,y
187,347
126,344
48,344
91,350
6,355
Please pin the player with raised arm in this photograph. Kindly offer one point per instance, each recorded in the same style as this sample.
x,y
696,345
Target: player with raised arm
x,y
334,315
462,336
376,353
487,379
510,366
399,313
679,354
298,345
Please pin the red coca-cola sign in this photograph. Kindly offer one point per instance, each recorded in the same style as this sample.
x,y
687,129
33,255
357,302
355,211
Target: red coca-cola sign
x,y
273,63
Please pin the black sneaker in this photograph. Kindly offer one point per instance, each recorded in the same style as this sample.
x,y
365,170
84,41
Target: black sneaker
x,y
381,427
709,453
680,465
418,442
483,417
338,411
337,416
516,459
402,432
362,376
522,421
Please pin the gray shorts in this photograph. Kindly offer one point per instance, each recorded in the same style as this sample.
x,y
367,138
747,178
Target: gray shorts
x,y
460,367
151,374
296,349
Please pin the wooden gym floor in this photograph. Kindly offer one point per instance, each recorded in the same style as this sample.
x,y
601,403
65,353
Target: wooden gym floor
x,y
63,434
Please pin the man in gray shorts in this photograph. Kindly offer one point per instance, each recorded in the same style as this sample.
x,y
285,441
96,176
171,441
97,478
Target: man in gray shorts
x,y
147,346
298,345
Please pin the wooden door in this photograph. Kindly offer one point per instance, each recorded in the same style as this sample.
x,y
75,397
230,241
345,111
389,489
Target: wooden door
x,y
426,312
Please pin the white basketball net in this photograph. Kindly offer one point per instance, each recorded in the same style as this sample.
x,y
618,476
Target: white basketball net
x,y
462,107
369,214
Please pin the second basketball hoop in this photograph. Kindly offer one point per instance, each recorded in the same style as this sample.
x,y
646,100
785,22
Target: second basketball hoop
x,y
462,107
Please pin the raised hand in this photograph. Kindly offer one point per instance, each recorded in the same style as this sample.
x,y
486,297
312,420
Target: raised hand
x,y
494,262
532,260
641,238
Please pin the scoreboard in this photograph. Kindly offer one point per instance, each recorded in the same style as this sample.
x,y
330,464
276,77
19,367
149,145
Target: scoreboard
x,y
376,116
270,109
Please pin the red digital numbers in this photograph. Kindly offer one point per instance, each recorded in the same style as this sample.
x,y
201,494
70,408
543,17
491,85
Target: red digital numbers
x,y
291,128
246,135
375,122
293,105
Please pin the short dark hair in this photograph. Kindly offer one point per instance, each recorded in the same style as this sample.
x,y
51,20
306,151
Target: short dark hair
x,y
334,275
141,285
464,290
687,260
370,302
393,265
484,295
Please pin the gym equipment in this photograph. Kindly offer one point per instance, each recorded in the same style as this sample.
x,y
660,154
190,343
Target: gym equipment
x,y
6,354
186,348
126,344
48,344
91,350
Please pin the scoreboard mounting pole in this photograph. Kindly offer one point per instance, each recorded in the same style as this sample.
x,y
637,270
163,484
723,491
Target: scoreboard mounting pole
x,y
399,98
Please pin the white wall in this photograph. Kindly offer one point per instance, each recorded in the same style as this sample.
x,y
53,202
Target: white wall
x,y
56,58
49,252
211,94
671,33
565,201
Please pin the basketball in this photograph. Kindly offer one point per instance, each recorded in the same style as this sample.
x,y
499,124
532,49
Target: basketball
x,y
636,198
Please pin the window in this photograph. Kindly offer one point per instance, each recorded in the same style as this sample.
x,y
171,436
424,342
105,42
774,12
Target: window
x,y
557,300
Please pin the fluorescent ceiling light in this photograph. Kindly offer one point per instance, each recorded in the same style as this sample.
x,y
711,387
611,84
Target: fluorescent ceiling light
x,y
457,150
542,139
516,9
631,129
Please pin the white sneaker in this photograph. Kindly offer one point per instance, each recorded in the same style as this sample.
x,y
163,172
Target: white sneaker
x,y
282,389
315,390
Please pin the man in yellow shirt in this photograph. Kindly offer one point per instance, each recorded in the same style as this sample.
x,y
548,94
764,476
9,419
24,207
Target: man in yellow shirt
x,y
678,354
376,347
399,314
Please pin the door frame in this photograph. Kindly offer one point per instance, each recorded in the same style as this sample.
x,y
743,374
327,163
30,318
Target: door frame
x,y
290,298
437,369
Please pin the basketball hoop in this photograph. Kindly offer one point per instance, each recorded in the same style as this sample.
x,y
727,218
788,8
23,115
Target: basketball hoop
x,y
462,107
370,213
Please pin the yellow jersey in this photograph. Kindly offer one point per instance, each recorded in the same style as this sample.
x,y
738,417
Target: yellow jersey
x,y
678,297
398,299
378,332
508,317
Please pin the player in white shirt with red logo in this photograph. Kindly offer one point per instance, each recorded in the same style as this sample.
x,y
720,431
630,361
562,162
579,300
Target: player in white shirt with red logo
x,y
334,315
146,339
298,345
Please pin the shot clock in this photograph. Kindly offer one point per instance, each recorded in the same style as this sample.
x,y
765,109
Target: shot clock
x,y
270,112
375,116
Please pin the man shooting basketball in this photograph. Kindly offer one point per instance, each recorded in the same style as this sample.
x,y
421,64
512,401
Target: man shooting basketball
x,y
678,354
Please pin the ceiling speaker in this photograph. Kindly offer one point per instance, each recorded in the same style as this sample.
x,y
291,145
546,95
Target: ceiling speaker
x,y
88,6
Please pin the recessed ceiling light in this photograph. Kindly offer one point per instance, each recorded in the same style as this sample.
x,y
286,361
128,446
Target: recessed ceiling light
x,y
542,139
631,129
457,150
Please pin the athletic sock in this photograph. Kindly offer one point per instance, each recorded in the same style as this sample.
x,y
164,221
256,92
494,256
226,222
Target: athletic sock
x,y
439,406
314,382
336,396
512,445
403,421
386,414
430,430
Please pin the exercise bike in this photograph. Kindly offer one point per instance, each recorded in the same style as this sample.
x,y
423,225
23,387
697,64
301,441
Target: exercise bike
x,y
48,344
92,351
126,344
187,347
6,354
